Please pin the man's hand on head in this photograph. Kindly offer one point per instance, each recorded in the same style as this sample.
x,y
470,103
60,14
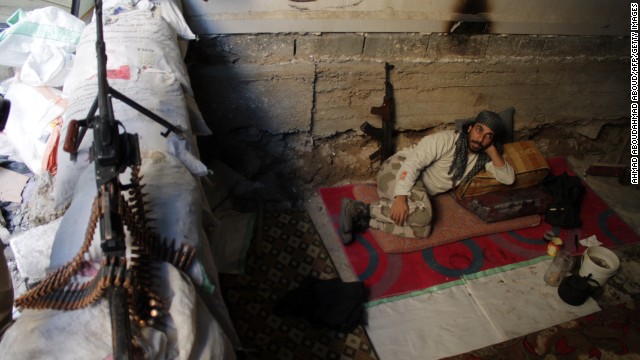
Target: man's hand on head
x,y
495,156
491,150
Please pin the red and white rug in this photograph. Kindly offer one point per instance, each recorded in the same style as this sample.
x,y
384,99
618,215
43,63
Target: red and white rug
x,y
391,274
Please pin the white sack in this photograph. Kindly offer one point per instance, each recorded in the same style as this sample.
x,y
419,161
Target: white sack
x,y
176,200
171,12
32,250
190,332
49,26
158,92
173,194
46,66
140,40
35,111
144,63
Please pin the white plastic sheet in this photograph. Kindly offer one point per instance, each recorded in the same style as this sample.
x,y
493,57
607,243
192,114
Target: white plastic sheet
x,y
478,311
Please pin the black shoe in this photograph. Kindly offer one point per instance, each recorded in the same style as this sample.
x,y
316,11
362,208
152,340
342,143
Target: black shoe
x,y
347,213
354,218
361,223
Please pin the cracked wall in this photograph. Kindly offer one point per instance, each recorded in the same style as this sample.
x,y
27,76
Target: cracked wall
x,y
292,104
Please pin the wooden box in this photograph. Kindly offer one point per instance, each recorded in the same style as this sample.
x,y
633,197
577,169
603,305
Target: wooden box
x,y
529,165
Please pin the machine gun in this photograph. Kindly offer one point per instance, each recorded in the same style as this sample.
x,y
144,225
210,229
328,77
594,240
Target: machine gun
x,y
384,135
126,283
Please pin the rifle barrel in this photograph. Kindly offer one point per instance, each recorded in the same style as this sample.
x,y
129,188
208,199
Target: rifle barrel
x,y
107,164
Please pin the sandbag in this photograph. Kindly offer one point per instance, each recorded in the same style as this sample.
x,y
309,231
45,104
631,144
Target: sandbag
x,y
28,31
34,122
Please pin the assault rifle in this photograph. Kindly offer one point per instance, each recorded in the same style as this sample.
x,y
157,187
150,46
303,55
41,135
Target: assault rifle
x,y
112,152
384,135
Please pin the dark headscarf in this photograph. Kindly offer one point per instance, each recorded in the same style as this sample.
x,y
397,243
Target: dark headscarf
x,y
494,122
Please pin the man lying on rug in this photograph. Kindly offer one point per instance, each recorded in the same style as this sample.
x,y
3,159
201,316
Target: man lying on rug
x,y
438,163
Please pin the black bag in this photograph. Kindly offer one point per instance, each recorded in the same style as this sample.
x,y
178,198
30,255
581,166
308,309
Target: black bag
x,y
329,303
567,192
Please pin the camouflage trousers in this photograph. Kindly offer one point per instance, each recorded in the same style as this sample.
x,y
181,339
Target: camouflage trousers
x,y
418,223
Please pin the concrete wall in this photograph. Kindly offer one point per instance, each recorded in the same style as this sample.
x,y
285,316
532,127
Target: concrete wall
x,y
298,100
566,17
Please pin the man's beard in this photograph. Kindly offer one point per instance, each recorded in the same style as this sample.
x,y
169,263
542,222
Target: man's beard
x,y
479,149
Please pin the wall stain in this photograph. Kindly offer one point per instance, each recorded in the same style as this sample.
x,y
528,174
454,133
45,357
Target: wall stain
x,y
470,17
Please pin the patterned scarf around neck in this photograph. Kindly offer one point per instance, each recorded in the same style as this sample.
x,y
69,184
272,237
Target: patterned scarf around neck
x,y
459,163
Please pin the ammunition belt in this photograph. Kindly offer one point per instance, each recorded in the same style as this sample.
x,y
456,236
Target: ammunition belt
x,y
62,289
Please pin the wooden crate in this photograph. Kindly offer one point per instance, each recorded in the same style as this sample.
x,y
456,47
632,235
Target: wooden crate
x,y
529,165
